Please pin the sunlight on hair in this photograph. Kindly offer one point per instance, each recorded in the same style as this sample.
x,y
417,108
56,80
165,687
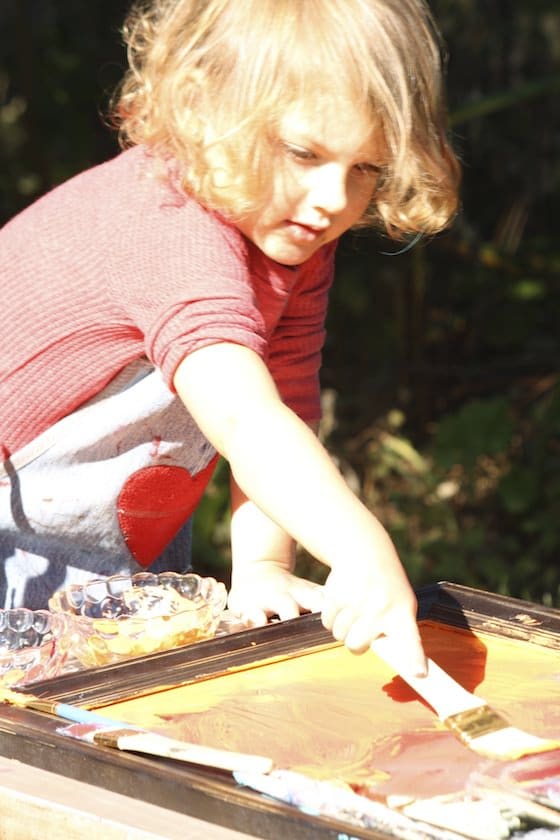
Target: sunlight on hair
x,y
209,81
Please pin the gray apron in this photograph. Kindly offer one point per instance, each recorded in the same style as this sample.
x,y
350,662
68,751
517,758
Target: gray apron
x,y
108,489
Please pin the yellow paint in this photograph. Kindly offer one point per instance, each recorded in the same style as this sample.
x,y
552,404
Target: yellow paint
x,y
334,715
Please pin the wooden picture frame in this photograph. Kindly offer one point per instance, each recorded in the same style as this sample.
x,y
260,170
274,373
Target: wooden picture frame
x,y
212,795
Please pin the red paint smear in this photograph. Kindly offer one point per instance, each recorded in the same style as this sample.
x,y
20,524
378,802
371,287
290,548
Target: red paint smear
x,y
423,763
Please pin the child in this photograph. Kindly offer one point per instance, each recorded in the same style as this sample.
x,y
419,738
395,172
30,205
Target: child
x,y
170,304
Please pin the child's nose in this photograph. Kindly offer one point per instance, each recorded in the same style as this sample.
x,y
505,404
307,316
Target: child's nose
x,y
329,189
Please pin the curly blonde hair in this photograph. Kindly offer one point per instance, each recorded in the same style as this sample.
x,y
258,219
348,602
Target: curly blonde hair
x,y
209,80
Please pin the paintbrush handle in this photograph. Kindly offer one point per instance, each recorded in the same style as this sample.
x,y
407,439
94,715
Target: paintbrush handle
x,y
437,688
79,715
153,744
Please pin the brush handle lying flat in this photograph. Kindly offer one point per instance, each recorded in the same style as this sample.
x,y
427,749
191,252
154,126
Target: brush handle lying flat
x,y
441,691
95,728
153,744
130,739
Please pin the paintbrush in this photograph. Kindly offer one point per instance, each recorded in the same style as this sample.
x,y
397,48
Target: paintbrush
x,y
151,743
97,729
470,718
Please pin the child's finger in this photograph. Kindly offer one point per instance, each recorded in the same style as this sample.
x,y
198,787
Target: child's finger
x,y
308,595
331,607
360,634
254,617
284,606
343,624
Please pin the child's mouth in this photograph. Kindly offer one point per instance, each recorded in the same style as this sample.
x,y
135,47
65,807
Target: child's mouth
x,y
304,233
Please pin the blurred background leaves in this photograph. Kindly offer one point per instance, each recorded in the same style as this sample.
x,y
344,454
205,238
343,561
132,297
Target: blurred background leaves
x,y
441,369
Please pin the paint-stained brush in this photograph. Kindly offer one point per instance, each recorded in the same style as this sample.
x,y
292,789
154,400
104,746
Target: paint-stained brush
x,y
152,743
470,718
97,729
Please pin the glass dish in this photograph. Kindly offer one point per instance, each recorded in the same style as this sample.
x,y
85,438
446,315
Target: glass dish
x,y
124,616
34,645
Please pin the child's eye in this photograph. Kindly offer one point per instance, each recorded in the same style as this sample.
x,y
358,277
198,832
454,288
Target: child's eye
x,y
299,152
368,169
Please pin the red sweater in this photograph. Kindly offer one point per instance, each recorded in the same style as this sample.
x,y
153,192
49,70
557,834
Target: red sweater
x,y
116,264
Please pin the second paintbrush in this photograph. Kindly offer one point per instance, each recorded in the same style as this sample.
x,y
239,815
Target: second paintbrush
x,y
97,729
151,743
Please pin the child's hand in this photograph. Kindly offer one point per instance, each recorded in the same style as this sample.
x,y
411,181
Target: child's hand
x,y
359,606
266,589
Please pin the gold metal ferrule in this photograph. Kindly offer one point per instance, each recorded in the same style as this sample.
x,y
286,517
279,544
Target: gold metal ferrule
x,y
474,723
39,705
111,737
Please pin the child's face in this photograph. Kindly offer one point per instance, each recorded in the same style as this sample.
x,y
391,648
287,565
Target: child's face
x,y
323,180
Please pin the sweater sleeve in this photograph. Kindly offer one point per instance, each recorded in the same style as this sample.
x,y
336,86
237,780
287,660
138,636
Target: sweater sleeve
x,y
186,285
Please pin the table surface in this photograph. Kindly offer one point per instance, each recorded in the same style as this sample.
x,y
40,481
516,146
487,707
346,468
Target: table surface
x,y
55,806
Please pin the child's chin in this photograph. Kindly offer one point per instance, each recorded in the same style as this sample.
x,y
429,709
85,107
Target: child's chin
x,y
288,254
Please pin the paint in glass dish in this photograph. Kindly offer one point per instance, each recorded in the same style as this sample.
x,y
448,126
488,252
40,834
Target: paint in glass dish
x,y
126,616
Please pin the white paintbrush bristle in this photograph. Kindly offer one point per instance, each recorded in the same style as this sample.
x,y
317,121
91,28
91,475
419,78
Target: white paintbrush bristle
x,y
510,743
489,734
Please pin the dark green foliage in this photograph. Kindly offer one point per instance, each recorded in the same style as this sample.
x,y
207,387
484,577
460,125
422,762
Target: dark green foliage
x,y
479,428
441,367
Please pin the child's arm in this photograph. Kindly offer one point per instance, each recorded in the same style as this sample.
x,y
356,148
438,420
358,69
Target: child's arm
x,y
281,466
263,560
